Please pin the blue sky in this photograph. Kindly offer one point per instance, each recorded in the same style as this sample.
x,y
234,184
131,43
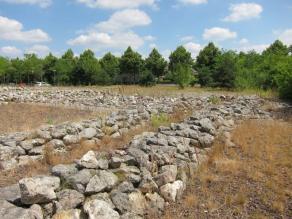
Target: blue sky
x,y
43,26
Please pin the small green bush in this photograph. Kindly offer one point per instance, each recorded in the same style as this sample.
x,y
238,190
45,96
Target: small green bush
x,y
158,120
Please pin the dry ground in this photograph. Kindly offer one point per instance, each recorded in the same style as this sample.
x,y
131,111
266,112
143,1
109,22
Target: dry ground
x,y
251,180
17,117
172,90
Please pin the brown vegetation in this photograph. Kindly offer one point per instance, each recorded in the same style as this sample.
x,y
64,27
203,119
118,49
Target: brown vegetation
x,y
16,117
75,152
251,180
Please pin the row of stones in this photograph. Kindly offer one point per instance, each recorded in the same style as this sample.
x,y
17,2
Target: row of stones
x,y
21,148
151,172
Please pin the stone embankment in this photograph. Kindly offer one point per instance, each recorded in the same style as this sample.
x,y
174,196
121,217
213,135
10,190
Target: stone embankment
x,y
139,180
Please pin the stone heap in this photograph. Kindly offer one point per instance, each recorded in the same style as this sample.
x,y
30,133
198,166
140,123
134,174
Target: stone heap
x,y
82,98
129,184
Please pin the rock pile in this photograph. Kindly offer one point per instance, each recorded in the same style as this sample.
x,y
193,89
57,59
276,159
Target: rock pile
x,y
141,179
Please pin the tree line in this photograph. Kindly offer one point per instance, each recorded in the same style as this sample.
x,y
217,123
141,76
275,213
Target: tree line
x,y
213,67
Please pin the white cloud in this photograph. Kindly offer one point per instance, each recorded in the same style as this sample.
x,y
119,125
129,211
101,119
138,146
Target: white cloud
x,y
40,50
149,38
125,19
243,11
193,48
152,45
194,2
186,38
115,33
286,36
41,3
243,41
12,30
101,41
117,4
257,47
10,51
219,34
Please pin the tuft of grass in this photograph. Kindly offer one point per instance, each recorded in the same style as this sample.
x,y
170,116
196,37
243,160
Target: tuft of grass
x,y
214,100
160,119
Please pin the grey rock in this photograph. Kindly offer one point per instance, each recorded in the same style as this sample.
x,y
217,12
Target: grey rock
x,y
155,203
10,193
104,197
57,144
206,140
38,189
207,126
64,171
69,199
81,179
71,139
168,175
9,211
98,209
172,191
88,133
103,181
58,133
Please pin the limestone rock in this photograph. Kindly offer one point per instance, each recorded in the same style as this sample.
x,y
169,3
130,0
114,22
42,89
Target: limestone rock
x,y
98,209
38,189
172,191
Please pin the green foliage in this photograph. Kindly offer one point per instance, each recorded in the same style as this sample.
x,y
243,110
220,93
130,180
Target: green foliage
x,y
205,64
214,100
147,78
277,48
156,63
131,66
180,57
88,70
158,120
284,78
110,65
182,75
225,68
32,68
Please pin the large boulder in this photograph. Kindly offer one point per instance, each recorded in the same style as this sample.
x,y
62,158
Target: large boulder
x,y
38,189
98,209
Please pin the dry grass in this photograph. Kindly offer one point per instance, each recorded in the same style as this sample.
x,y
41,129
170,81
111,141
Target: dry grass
x,y
252,180
33,168
16,117
172,90
75,152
